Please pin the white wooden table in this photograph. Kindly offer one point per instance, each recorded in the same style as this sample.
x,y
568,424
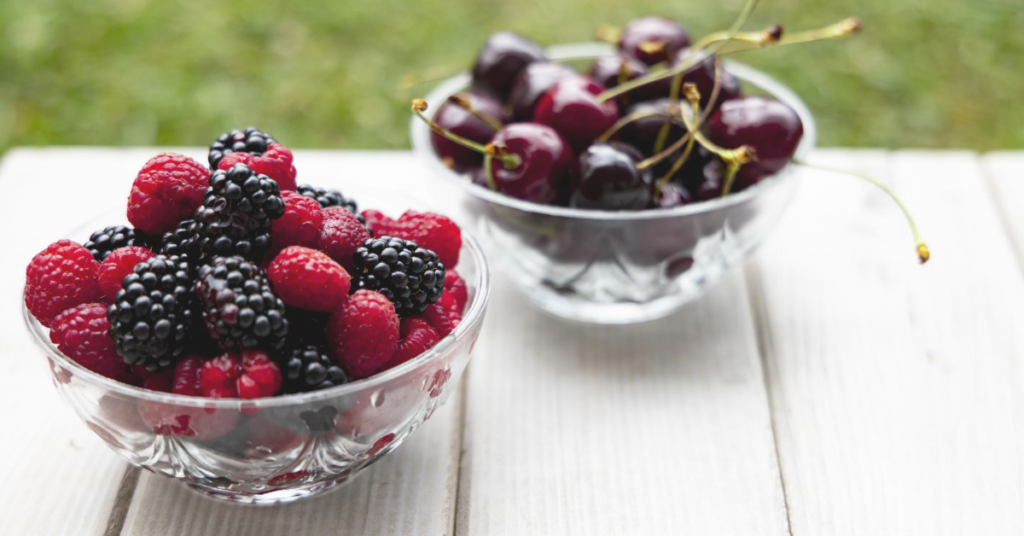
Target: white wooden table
x,y
832,386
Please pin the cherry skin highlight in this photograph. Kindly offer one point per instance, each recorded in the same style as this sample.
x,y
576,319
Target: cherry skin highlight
x,y
772,128
463,123
610,180
533,82
500,61
545,163
653,40
572,109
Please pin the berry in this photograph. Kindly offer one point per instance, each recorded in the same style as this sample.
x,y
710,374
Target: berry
x,y
237,213
653,40
416,336
341,233
306,327
183,241
241,309
609,179
308,279
405,273
772,128
82,334
101,243
118,265
249,374
456,286
363,333
276,163
250,141
168,189
545,163
329,198
379,223
310,368
60,277
300,224
162,381
434,232
500,61
572,109
460,121
186,376
443,315
533,82
200,424
151,315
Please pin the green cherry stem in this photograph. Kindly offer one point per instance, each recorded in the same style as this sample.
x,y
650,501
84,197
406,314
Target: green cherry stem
x,y
693,96
510,161
839,30
463,102
769,36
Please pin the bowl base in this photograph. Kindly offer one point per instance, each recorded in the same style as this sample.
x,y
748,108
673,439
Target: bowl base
x,y
272,497
579,309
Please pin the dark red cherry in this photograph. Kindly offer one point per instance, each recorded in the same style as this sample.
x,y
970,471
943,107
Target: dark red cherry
x,y
500,61
673,195
533,82
572,109
460,121
643,133
773,129
609,179
545,161
653,40
608,71
703,76
713,179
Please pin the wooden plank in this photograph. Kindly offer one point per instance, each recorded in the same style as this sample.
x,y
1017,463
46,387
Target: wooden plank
x,y
897,390
660,428
1005,171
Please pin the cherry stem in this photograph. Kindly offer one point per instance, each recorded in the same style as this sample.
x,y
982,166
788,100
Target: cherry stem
x,y
510,161
839,30
769,36
626,120
694,97
608,33
489,173
688,62
462,101
922,249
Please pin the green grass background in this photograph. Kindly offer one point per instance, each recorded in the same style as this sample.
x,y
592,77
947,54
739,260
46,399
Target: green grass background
x,y
924,73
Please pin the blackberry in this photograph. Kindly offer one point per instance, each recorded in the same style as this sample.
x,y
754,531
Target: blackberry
x,y
330,198
251,141
408,275
241,309
152,313
182,242
310,368
101,243
237,212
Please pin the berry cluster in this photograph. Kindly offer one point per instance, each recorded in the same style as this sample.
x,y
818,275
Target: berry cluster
x,y
231,281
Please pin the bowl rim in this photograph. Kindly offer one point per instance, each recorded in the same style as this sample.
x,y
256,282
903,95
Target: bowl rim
x,y
473,317
419,133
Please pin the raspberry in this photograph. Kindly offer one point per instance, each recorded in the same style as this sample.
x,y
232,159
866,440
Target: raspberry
x,y
416,336
60,277
308,279
162,381
276,163
119,264
168,189
300,224
379,223
443,315
340,235
82,333
456,286
432,231
186,376
363,333
250,374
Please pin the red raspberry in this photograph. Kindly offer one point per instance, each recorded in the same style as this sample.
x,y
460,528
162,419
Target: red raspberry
x,y
456,286
381,224
309,279
250,374
340,235
276,163
202,424
162,381
443,315
117,265
168,189
186,376
432,231
60,277
415,337
362,334
300,224
82,333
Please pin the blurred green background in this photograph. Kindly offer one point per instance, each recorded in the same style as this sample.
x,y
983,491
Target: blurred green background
x,y
924,73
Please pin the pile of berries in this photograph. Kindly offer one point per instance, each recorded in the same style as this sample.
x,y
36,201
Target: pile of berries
x,y
656,124
234,282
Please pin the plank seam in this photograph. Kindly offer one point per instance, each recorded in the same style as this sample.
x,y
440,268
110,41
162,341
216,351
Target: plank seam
x,y
122,501
460,435
992,189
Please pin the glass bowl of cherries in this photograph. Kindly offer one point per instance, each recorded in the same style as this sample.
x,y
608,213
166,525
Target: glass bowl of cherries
x,y
619,190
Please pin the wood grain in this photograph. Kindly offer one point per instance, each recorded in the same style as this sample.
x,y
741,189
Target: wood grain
x,y
896,389
1005,172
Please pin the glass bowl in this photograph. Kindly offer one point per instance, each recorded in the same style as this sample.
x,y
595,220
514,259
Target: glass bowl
x,y
279,449
620,267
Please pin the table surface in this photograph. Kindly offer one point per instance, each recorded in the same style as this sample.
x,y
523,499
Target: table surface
x,y
829,386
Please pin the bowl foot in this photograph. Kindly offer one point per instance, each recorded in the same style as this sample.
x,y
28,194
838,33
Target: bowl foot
x,y
271,497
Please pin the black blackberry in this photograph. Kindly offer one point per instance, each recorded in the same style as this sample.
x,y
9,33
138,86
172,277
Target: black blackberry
x,y
410,276
328,198
307,327
237,212
251,141
310,368
101,243
182,242
152,313
241,309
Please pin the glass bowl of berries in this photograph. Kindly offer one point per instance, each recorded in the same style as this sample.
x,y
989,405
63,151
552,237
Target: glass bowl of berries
x,y
259,343
615,184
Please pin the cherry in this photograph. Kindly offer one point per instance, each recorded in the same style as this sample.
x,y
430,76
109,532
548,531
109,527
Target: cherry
x,y
652,116
703,76
772,128
712,179
460,120
652,40
545,163
533,82
673,195
572,109
500,61
610,71
609,179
